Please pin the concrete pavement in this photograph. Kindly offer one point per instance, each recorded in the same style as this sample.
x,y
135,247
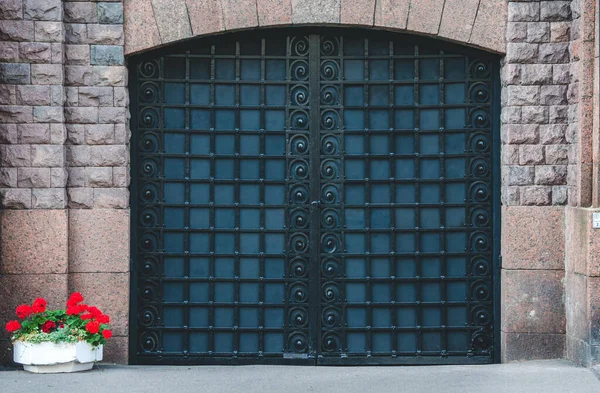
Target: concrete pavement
x,y
553,376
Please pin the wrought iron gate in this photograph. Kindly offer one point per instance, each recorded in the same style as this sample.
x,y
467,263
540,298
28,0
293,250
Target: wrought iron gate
x,y
315,196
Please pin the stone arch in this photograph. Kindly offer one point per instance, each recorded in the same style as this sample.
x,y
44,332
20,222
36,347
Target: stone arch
x,y
153,23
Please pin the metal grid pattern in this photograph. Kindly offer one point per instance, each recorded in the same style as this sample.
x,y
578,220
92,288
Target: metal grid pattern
x,y
304,197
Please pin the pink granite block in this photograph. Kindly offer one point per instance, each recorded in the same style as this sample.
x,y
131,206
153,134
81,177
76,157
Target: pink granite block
x,y
489,29
116,350
34,241
593,304
424,16
315,11
531,346
532,301
206,16
23,289
274,12
141,31
593,248
577,229
239,14
533,237
457,19
172,20
107,291
357,12
99,240
392,13
576,307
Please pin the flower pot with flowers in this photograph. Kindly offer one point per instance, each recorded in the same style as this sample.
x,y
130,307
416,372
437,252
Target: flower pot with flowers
x,y
58,341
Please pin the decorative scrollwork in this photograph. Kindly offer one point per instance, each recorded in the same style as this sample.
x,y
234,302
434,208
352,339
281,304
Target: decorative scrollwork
x,y
330,194
298,293
149,69
149,341
479,192
298,317
330,70
149,142
330,317
149,242
299,120
330,267
299,145
329,46
481,315
330,144
480,218
149,193
330,243
480,242
329,95
149,291
329,120
480,168
149,118
149,93
480,69
331,342
299,95
299,194
299,218
330,292
298,267
479,142
299,70
299,46
330,169
148,316
149,168
149,217
299,243
149,266
480,118
480,93
330,219
482,341
299,169
481,291
298,342
480,267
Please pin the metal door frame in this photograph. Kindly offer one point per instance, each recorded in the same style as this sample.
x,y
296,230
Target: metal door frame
x,y
314,34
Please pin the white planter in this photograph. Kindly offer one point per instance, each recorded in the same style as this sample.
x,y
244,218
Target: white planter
x,y
48,357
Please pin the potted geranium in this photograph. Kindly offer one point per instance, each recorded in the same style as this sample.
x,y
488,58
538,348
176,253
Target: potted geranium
x,y
58,341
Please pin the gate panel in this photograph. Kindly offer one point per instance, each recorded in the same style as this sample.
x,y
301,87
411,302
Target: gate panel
x,y
222,202
406,186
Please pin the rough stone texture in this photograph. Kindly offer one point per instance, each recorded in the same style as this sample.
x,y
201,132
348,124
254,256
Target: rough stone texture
x,y
533,301
172,19
527,233
315,11
206,16
238,14
490,27
99,241
458,18
34,242
357,12
530,346
272,12
424,16
141,30
392,13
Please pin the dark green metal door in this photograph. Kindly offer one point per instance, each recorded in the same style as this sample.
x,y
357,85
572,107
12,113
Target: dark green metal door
x,y
314,196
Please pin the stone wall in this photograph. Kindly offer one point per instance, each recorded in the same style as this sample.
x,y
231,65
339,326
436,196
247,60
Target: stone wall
x,y
64,158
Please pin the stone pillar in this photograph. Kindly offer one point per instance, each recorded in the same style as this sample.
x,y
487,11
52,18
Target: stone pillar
x,y
96,119
536,153
583,242
64,159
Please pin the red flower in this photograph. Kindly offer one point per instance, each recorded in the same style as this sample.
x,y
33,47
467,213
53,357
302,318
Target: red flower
x,y
86,316
74,310
107,333
74,299
23,311
94,311
92,327
39,305
48,326
13,326
103,318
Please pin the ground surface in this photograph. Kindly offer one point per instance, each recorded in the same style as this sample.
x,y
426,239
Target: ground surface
x,y
555,376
